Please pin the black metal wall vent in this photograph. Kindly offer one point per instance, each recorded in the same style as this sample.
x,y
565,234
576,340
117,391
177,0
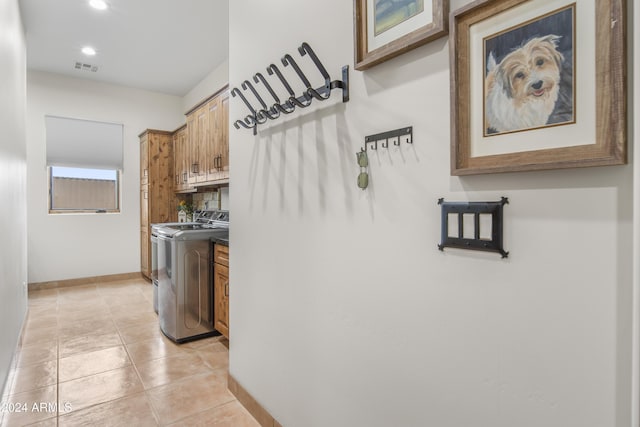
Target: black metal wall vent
x,y
263,113
472,225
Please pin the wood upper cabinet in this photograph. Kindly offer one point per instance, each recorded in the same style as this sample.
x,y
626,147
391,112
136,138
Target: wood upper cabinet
x,y
157,200
192,149
203,141
208,141
198,134
181,159
218,160
224,132
144,159
221,289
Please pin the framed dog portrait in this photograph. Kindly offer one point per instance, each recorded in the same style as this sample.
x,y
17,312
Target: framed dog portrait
x,y
387,28
537,84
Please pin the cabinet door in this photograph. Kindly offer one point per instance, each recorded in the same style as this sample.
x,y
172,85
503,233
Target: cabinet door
x,y
202,126
213,110
144,160
181,160
177,162
192,149
221,299
224,132
145,261
144,205
184,156
219,130
162,199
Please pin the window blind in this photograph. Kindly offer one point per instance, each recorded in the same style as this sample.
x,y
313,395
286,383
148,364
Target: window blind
x,y
83,143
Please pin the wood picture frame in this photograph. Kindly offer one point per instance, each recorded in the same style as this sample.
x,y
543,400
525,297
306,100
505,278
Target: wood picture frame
x,y
368,54
596,132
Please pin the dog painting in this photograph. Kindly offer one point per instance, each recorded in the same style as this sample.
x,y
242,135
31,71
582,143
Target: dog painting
x,y
529,75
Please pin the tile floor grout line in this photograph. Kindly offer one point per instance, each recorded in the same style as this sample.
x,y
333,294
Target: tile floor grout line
x,y
110,303
144,391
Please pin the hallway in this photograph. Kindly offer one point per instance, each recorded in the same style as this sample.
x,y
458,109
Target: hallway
x,y
98,353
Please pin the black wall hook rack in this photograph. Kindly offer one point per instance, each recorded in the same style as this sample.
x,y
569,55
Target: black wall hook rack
x,y
480,240
261,114
371,141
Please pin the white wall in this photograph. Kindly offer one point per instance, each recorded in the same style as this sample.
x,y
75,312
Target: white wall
x,y
13,183
635,66
343,311
213,82
73,246
224,199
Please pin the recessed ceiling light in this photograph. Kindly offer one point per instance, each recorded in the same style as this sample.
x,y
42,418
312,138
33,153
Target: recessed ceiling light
x,y
98,4
88,50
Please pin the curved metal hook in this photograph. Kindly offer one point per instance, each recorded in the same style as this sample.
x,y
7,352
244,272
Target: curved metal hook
x,y
236,92
317,95
239,123
271,114
277,107
260,78
297,102
271,69
260,117
286,108
247,84
306,49
288,60
265,112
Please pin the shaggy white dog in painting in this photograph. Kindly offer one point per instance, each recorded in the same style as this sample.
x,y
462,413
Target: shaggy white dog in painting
x,y
521,91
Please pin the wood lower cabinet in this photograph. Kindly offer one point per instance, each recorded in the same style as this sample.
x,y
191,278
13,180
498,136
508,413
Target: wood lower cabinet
x,y
157,198
221,289
145,264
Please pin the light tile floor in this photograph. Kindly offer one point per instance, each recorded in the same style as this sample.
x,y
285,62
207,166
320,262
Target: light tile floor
x,y
95,356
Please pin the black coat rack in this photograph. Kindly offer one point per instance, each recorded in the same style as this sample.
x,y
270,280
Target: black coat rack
x,y
260,115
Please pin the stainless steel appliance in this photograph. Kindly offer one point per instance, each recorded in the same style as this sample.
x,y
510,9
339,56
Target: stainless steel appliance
x,y
154,267
185,282
154,257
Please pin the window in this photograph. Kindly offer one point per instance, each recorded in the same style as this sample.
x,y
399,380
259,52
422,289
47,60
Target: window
x,y
84,160
76,189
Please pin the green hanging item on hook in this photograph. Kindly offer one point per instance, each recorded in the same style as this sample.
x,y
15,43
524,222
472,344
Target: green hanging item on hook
x,y
363,180
363,162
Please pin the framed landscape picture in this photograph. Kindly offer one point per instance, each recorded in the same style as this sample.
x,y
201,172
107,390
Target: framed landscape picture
x,y
387,28
537,84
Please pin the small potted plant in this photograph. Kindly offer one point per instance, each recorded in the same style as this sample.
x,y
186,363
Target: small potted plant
x,y
185,211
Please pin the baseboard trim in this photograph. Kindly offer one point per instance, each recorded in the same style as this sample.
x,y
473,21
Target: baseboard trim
x,y
85,281
8,382
262,416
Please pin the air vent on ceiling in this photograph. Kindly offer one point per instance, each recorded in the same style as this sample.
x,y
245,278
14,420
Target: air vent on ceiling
x,y
86,67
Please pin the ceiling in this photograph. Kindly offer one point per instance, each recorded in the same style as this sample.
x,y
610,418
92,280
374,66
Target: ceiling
x,y
165,46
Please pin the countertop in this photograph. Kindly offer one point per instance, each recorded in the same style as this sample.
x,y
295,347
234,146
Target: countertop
x,y
221,238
